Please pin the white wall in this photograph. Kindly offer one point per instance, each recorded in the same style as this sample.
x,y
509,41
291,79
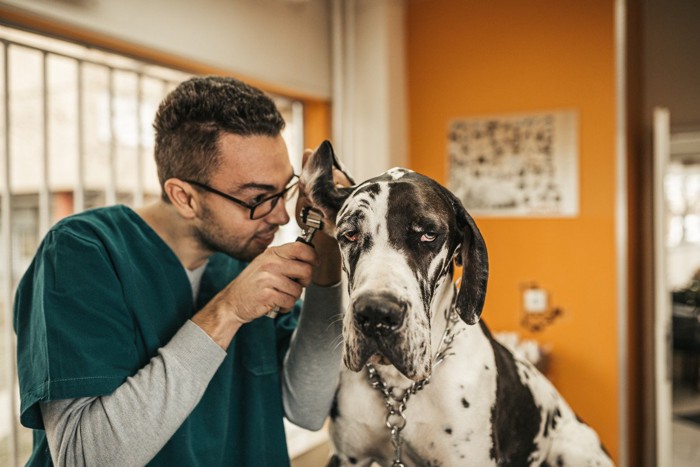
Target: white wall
x,y
372,132
285,42
381,82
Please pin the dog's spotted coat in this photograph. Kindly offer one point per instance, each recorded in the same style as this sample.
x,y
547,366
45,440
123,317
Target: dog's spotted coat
x,y
400,235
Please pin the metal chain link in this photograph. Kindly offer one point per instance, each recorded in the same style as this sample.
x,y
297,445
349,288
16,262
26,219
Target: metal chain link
x,y
395,399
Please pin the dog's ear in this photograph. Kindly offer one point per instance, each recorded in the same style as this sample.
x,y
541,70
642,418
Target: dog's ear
x,y
474,260
320,187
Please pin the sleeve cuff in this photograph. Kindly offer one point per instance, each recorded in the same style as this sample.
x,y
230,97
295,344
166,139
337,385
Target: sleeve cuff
x,y
195,350
323,300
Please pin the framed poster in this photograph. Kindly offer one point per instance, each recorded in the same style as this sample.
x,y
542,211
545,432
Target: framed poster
x,y
519,165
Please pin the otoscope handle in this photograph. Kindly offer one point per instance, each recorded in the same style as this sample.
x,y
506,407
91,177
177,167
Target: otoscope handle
x,y
305,237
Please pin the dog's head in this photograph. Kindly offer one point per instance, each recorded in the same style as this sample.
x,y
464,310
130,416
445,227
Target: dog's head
x,y
400,235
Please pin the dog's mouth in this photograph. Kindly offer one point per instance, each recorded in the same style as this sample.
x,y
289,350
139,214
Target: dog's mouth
x,y
411,369
414,362
379,359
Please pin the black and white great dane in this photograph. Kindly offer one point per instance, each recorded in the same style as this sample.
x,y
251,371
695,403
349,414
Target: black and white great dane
x,y
400,236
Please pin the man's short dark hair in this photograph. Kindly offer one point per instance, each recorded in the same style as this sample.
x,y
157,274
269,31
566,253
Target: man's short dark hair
x,y
193,116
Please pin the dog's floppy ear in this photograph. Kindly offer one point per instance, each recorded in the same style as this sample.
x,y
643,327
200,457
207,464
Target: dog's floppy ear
x,y
474,260
318,183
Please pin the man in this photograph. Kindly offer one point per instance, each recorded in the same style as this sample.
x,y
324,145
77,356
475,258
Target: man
x,y
142,335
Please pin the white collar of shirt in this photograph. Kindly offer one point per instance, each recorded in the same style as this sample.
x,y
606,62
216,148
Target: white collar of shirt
x,y
195,277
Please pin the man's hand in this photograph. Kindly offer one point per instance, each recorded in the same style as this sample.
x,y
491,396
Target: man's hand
x,y
274,279
328,270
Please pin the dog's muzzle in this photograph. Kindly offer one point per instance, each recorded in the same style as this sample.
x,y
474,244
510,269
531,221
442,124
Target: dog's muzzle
x,y
378,332
379,314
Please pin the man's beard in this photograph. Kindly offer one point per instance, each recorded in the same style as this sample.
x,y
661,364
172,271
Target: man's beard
x,y
213,239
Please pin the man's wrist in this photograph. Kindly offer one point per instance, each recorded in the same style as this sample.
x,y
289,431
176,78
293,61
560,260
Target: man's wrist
x,y
220,325
328,272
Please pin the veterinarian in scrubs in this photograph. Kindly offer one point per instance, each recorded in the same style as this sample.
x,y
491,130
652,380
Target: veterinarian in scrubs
x,y
141,334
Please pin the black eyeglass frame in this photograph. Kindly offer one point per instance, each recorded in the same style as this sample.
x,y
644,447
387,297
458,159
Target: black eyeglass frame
x,y
276,197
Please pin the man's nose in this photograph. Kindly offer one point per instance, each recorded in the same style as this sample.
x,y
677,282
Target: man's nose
x,y
279,214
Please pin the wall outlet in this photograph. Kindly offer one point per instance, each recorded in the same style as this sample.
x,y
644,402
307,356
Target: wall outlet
x,y
535,300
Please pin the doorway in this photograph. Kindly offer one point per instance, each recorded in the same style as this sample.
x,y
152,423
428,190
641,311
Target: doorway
x,y
677,229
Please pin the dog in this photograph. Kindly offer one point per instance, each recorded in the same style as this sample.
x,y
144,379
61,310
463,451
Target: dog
x,y
425,383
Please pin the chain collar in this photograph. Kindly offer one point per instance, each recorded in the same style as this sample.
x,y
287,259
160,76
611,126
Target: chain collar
x,y
395,398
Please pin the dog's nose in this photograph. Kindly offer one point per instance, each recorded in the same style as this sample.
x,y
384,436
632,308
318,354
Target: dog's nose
x,y
378,314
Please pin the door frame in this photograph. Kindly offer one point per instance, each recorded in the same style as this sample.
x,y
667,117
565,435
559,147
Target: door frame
x,y
663,363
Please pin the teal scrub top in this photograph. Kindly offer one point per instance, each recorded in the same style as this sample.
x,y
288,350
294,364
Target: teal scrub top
x,y
102,294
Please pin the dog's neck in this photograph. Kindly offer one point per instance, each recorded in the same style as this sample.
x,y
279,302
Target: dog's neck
x,y
440,308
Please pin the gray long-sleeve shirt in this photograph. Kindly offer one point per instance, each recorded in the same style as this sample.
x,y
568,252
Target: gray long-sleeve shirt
x,y
130,426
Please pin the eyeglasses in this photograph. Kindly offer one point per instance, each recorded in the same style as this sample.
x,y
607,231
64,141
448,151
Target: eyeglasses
x,y
261,208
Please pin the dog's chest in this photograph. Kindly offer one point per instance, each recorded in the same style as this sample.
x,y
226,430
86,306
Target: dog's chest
x,y
448,422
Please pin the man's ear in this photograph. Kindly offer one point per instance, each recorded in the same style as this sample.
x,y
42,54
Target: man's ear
x,y
181,196
319,186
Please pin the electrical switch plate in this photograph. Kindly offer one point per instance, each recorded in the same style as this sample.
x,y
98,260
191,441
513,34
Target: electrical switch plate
x,y
535,300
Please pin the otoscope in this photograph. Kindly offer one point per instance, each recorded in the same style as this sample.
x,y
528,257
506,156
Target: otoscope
x,y
311,220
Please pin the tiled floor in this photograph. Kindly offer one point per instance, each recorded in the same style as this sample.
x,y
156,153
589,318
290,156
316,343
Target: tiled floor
x,y
686,435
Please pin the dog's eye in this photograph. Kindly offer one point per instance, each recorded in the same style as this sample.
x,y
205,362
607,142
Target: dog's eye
x,y
350,235
428,237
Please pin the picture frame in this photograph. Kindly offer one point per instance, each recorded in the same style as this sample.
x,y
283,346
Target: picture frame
x,y
516,165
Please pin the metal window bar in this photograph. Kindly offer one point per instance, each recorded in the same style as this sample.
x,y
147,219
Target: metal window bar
x,y
7,286
111,192
140,147
79,190
297,109
44,195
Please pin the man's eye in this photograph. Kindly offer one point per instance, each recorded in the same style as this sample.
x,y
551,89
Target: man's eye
x,y
258,199
428,237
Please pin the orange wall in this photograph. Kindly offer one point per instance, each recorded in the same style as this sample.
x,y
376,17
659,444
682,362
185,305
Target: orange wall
x,y
317,122
471,58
